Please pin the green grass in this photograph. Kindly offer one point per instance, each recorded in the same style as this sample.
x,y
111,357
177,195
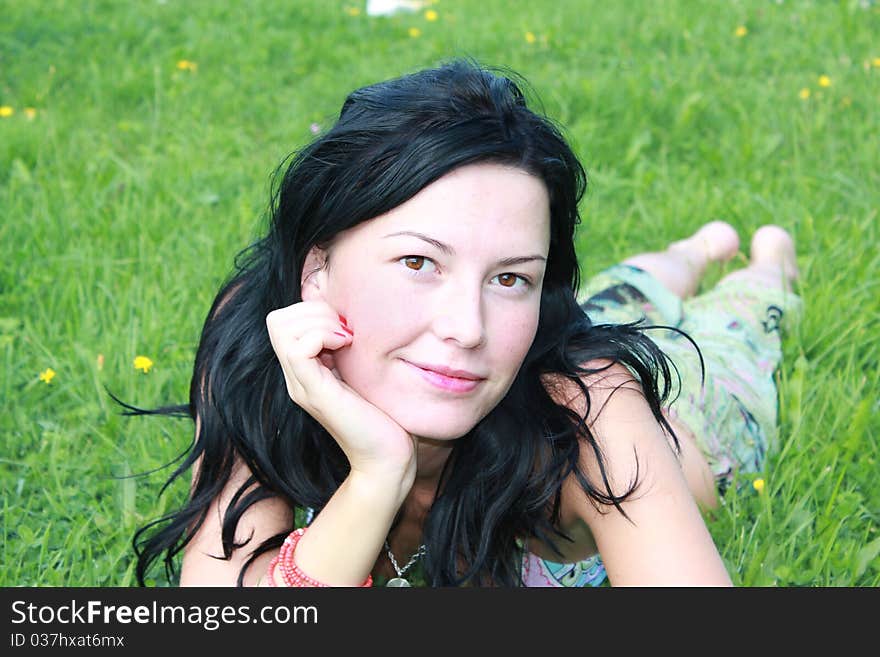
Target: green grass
x,y
126,196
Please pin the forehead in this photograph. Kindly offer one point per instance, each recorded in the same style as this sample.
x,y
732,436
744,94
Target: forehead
x,y
475,207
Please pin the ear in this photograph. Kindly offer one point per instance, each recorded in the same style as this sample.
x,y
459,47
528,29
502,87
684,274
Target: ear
x,y
314,275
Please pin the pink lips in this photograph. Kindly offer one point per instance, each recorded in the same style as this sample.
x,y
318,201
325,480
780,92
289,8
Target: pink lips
x,y
446,378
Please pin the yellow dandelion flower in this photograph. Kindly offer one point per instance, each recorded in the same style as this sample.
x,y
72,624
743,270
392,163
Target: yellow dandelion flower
x,y
186,65
876,62
415,32
758,485
47,375
430,15
6,110
353,11
804,93
143,363
824,81
741,31
30,113
530,37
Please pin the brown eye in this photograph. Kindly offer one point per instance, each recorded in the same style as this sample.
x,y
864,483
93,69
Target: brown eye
x,y
414,262
507,280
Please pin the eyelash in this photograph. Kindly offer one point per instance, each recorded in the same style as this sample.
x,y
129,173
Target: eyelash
x,y
526,283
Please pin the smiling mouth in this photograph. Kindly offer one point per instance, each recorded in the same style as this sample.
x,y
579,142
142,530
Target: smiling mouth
x,y
446,382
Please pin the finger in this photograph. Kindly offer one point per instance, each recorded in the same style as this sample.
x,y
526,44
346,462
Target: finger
x,y
304,367
292,342
297,326
284,337
328,361
306,310
327,356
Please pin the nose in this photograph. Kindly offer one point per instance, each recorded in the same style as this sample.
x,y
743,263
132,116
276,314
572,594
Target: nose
x,y
459,316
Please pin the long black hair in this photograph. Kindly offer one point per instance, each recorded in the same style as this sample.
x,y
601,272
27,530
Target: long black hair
x,y
502,480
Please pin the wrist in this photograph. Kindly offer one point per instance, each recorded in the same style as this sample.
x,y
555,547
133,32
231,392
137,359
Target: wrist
x,y
364,506
385,487
284,571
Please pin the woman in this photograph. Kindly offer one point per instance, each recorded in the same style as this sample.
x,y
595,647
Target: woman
x,y
402,365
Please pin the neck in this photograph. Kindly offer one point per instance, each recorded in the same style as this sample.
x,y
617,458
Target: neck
x,y
431,455
406,538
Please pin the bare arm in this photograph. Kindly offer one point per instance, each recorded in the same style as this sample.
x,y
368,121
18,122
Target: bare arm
x,y
665,541
344,540
262,520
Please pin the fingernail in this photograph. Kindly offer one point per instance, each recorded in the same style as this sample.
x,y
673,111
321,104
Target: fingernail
x,y
348,330
341,335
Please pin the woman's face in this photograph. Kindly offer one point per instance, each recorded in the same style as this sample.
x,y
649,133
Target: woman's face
x,y
443,296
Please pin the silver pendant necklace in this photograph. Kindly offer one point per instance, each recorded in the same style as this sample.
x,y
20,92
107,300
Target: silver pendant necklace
x,y
400,580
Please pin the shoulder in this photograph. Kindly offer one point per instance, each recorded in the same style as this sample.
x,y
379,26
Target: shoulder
x,y
203,564
622,430
656,534
604,380
224,296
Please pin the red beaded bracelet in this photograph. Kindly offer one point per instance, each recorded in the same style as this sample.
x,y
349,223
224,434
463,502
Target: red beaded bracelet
x,y
291,575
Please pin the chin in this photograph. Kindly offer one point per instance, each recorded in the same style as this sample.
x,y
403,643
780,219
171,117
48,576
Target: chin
x,y
434,426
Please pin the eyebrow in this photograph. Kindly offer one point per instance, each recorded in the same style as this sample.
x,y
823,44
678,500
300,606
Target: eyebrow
x,y
448,250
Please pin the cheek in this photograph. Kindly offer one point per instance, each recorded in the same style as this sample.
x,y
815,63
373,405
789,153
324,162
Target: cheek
x,y
512,337
380,305
382,313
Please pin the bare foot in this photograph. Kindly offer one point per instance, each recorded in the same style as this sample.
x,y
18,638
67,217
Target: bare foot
x,y
773,259
773,246
716,241
680,267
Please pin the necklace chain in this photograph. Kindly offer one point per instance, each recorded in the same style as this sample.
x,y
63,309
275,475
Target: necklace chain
x,y
400,571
